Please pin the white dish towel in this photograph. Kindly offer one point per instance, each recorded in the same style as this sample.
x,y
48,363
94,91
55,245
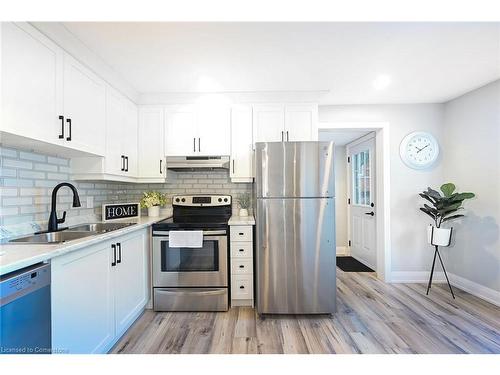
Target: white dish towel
x,y
185,238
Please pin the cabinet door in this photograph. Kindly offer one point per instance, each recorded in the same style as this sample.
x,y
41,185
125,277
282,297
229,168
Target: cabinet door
x,y
85,106
82,300
113,161
241,144
151,137
181,130
301,122
268,123
31,84
131,279
214,130
129,140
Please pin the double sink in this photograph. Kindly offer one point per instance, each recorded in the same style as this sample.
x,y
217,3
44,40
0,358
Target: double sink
x,y
71,233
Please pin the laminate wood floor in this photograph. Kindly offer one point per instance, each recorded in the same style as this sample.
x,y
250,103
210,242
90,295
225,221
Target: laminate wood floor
x,y
371,317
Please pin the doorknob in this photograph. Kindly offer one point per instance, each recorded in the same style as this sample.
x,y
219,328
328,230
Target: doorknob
x,y
370,213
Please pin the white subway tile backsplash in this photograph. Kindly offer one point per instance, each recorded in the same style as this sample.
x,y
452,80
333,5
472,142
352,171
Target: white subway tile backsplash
x,y
31,174
59,161
46,167
32,156
18,201
13,163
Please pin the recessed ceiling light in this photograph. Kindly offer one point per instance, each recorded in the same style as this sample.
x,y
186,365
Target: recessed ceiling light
x,y
381,82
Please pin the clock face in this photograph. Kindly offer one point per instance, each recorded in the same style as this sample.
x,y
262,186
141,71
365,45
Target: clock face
x,y
419,150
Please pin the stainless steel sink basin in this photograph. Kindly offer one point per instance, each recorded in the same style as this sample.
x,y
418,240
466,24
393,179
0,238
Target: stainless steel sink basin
x,y
99,227
53,237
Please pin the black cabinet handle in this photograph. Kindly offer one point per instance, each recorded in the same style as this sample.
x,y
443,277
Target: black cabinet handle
x,y
242,287
194,144
282,136
233,166
68,120
123,163
61,136
241,233
119,246
199,142
242,250
287,136
126,161
161,171
113,263
370,213
242,266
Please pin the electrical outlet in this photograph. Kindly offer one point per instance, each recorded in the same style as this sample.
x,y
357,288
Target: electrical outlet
x,y
90,202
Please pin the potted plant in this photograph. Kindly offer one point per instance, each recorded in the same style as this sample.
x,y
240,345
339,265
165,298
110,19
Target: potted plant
x,y
443,208
244,203
152,200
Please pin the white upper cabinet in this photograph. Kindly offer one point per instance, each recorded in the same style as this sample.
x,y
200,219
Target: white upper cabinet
x,y
84,107
197,130
241,168
31,78
181,135
151,155
268,123
301,122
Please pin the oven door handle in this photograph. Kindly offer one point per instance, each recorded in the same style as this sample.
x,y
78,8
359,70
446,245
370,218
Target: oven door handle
x,y
205,233
192,291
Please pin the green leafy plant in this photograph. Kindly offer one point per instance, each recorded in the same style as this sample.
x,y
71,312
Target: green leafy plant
x,y
244,200
153,198
444,207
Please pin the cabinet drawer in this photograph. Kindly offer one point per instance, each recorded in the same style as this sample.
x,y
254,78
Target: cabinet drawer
x,y
241,233
241,266
242,287
241,249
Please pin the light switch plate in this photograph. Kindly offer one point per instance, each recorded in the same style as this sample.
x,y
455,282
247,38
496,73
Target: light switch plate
x,y
90,202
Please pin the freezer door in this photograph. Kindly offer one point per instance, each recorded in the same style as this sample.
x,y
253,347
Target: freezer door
x,y
296,256
294,169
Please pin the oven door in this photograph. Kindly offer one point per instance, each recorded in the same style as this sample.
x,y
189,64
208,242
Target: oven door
x,y
190,267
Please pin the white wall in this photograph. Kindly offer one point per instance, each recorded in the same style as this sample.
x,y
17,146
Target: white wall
x,y
472,161
410,251
341,197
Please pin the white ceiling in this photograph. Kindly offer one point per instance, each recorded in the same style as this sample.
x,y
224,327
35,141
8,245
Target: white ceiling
x,y
423,62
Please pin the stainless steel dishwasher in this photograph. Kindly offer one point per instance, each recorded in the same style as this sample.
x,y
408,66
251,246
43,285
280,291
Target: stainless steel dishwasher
x,y
25,321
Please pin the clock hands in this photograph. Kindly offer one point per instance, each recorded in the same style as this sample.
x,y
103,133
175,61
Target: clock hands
x,y
420,149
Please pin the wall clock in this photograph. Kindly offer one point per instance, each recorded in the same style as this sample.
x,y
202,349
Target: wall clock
x,y
419,150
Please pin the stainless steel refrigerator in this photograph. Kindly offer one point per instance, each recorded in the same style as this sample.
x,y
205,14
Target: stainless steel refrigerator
x,y
295,229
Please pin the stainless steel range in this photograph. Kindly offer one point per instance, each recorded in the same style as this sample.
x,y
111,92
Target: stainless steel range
x,y
190,255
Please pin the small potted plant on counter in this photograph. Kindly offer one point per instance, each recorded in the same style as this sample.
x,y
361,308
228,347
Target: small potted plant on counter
x,y
443,209
244,203
152,200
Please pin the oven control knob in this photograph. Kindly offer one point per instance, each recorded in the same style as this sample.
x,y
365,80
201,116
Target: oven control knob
x,y
220,199
183,199
177,200
225,199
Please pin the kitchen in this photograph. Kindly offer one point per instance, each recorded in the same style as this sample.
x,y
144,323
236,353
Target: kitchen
x,y
239,252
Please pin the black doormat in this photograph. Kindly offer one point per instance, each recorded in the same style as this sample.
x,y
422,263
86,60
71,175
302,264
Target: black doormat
x,y
349,264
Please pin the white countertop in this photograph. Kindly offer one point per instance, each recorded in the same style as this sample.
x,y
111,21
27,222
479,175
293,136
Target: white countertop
x,y
242,220
16,256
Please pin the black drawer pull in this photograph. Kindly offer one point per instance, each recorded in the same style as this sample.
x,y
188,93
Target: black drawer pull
x,y
61,136
242,266
242,287
242,250
241,233
68,120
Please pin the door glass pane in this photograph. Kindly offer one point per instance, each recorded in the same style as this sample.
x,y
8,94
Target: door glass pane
x,y
183,259
361,178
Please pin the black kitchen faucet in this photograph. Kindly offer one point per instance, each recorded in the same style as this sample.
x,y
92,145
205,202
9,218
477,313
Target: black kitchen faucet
x,y
53,220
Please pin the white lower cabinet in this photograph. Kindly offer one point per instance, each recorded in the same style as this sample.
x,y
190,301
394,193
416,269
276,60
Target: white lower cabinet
x,y
97,293
241,265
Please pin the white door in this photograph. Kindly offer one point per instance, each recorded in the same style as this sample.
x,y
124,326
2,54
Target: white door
x,y
241,169
181,130
301,122
84,108
130,279
214,130
268,123
31,84
363,207
82,300
150,135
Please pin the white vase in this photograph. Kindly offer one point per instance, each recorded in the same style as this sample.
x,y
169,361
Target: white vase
x,y
243,212
439,236
154,211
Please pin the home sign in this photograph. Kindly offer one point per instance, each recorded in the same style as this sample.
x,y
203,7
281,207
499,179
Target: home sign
x,y
120,211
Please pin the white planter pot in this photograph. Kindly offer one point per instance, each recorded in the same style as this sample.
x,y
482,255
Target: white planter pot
x,y
154,211
243,212
439,236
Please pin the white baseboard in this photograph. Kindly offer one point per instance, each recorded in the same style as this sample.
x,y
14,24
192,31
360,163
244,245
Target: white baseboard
x,y
471,287
342,250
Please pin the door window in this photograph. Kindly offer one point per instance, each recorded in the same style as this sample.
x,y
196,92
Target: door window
x,y
183,259
361,178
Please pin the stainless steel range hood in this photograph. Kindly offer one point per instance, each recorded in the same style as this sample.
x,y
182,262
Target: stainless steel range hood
x,y
182,163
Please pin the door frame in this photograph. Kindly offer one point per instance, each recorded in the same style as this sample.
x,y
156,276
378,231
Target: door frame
x,y
356,142
382,183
